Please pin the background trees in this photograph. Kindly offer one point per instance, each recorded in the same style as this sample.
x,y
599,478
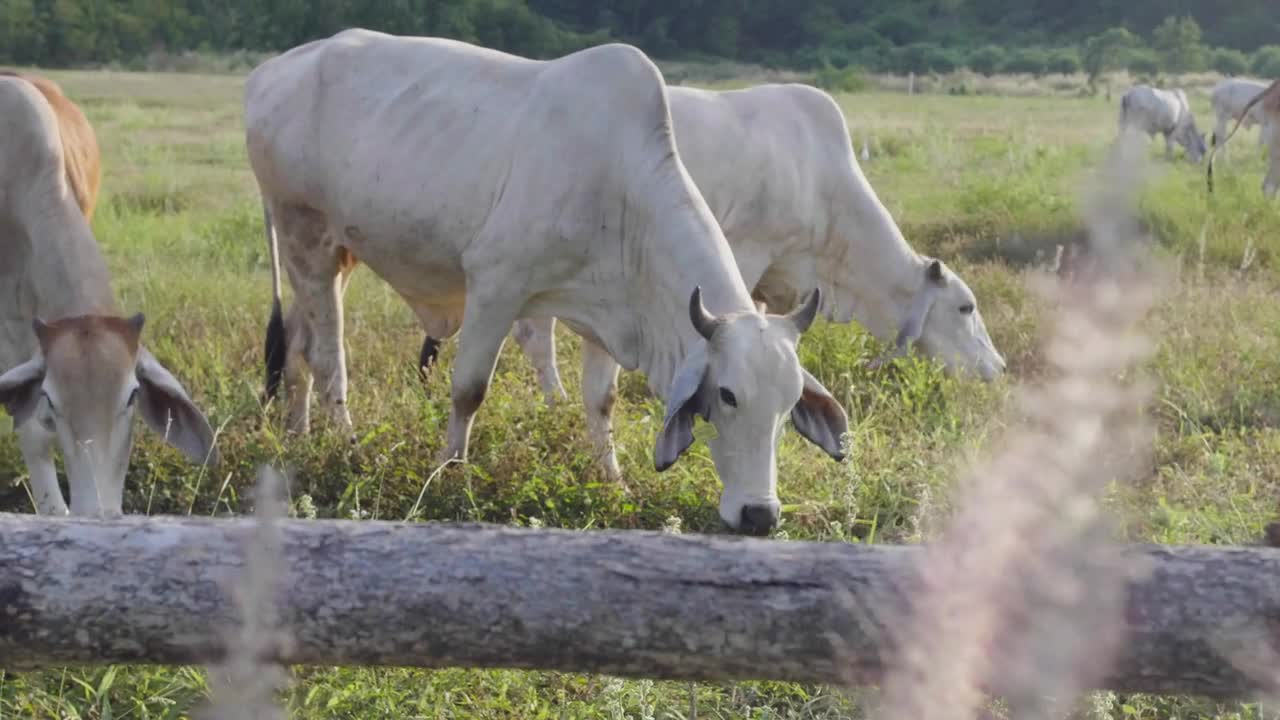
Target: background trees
x,y
891,35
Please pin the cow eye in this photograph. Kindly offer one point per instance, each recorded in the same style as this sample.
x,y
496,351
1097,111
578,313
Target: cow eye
x,y
49,400
966,309
133,398
727,397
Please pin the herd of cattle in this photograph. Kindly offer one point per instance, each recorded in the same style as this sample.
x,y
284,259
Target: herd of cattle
x,y
1155,111
522,192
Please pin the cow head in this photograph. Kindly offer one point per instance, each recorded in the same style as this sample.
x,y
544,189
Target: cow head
x,y
1193,141
83,388
942,318
746,380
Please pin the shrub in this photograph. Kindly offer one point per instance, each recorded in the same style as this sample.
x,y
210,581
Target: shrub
x,y
1229,62
1266,61
1027,60
1142,62
942,60
1177,40
1064,61
839,57
833,79
987,60
1105,51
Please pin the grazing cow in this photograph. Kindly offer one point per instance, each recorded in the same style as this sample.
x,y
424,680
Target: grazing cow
x,y
1269,102
777,168
1229,99
473,182
1165,112
75,371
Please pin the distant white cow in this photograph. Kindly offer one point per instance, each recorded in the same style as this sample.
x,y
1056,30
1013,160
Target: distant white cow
x,y
1165,112
776,165
73,372
485,188
1229,99
1269,102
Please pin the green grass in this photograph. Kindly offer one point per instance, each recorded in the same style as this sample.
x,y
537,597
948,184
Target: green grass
x,y
989,184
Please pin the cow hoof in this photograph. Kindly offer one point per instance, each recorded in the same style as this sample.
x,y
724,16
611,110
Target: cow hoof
x,y
612,473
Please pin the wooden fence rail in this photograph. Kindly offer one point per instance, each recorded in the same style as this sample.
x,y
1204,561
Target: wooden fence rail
x,y
158,591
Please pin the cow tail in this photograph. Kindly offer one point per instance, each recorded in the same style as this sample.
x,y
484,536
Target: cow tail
x,y
275,347
427,356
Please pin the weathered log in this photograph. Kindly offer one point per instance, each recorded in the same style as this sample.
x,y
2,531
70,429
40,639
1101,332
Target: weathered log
x,y
157,590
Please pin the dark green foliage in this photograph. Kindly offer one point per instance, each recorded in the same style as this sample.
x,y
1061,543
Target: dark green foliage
x,y
900,28
1065,61
1106,51
1143,62
987,60
1177,42
1266,61
923,58
923,35
1229,62
1027,60
833,79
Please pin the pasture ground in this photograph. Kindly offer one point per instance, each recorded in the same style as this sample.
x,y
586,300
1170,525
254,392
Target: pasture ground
x,y
989,184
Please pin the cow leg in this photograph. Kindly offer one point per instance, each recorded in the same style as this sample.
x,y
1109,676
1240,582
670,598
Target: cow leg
x,y
322,306
37,451
319,269
486,322
537,338
599,392
1168,146
297,376
1220,134
327,351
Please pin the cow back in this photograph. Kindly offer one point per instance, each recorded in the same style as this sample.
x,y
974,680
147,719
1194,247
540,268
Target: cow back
x,y
79,143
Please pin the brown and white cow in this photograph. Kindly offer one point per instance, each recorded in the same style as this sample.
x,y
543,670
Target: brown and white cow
x,y
1269,101
73,369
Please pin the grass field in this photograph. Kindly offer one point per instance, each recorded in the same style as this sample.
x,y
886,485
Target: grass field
x,y
989,184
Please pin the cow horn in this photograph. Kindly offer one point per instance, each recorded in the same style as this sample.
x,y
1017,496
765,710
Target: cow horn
x,y
704,322
802,317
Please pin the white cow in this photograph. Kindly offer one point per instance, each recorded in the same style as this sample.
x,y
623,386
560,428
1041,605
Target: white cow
x,y
1229,99
1268,101
1165,112
74,372
777,168
472,179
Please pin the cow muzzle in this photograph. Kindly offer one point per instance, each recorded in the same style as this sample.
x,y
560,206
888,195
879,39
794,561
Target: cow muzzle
x,y
758,520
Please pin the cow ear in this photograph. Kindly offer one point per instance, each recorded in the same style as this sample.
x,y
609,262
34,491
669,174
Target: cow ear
x,y
685,402
820,418
20,389
167,410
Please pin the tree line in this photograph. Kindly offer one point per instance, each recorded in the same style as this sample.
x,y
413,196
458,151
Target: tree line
x,y
1036,36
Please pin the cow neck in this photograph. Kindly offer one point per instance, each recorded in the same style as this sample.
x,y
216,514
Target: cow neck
x,y
865,267
67,271
681,248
